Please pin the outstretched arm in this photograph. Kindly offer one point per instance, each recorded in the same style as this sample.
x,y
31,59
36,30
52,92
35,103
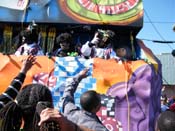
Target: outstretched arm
x,y
70,88
16,84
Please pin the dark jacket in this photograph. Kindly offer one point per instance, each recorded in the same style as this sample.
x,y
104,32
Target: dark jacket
x,y
12,90
74,113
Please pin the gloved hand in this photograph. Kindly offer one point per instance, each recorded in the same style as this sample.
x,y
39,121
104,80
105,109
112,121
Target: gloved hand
x,y
94,41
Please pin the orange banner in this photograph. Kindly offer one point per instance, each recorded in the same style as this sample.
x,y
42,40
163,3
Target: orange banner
x,y
10,66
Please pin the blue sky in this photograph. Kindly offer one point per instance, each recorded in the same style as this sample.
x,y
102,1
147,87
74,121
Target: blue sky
x,y
159,18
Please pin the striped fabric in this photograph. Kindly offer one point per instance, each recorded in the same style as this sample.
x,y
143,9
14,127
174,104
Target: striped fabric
x,y
12,90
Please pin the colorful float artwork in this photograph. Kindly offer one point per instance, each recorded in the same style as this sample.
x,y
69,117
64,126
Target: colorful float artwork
x,y
103,12
130,90
110,12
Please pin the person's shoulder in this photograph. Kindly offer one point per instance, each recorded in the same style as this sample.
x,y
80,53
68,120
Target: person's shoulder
x,y
32,44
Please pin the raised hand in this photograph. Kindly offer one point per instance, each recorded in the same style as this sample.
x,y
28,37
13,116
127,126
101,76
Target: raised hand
x,y
83,73
50,114
28,63
96,39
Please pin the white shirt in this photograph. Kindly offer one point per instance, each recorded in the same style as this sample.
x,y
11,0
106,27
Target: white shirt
x,y
27,49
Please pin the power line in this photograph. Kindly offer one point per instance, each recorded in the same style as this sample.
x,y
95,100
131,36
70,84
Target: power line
x,y
166,42
155,28
160,22
158,41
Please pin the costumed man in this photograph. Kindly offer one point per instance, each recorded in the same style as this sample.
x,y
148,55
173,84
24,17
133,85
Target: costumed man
x,y
30,40
100,46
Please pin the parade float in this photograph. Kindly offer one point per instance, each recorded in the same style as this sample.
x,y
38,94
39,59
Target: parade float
x,y
130,90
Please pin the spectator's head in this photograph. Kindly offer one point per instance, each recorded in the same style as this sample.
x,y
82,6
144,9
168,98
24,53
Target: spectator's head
x,y
24,108
30,34
166,121
90,101
124,51
49,125
65,41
